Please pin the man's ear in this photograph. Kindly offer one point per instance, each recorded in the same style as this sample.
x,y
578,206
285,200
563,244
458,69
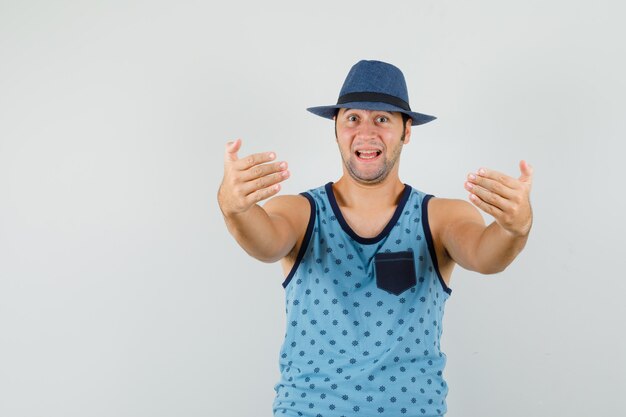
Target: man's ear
x,y
407,131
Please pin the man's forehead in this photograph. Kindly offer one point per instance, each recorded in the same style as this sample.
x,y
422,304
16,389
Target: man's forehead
x,y
345,110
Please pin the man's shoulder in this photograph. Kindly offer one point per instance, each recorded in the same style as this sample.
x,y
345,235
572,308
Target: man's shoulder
x,y
287,202
294,210
442,203
451,209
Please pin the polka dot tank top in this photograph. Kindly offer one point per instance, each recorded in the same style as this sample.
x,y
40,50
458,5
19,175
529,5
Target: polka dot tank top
x,y
363,317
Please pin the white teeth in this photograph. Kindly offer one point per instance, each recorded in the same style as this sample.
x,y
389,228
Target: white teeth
x,y
368,154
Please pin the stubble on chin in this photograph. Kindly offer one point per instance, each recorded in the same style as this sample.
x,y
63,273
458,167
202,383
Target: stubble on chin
x,y
374,178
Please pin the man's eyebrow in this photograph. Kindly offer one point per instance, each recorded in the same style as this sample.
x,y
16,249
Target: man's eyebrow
x,y
346,110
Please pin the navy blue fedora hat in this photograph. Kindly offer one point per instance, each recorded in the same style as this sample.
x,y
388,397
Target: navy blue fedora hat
x,y
373,85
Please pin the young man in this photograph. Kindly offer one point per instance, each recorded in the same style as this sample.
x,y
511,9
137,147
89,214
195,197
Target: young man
x,y
368,259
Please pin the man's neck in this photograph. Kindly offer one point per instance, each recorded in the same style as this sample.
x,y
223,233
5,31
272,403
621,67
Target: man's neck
x,y
354,195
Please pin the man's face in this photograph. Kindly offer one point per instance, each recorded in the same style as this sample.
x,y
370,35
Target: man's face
x,y
370,142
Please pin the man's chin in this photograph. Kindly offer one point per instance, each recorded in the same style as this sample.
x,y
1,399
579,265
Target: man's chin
x,y
368,178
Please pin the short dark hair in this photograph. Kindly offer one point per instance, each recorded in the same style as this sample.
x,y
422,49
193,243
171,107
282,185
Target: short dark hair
x,y
405,118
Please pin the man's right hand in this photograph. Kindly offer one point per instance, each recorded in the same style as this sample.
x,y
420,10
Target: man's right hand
x,y
248,180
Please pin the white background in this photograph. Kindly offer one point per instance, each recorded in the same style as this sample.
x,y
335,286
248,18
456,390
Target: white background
x,y
121,291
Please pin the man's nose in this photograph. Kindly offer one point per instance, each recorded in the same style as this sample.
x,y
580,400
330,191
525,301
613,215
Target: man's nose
x,y
367,129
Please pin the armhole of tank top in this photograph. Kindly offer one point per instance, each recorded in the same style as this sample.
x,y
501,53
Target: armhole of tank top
x,y
431,244
305,240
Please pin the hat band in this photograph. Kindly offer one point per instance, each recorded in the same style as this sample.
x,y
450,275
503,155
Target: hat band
x,y
378,97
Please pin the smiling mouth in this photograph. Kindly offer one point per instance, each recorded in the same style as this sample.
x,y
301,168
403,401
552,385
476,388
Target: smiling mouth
x,y
368,154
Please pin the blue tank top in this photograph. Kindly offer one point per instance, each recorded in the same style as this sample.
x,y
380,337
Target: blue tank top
x,y
363,317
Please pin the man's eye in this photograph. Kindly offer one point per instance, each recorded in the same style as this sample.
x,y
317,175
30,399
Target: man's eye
x,y
383,119
352,118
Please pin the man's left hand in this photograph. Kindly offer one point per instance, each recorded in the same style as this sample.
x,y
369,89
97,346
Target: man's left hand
x,y
505,198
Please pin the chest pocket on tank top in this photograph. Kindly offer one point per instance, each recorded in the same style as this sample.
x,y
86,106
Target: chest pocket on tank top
x,y
395,271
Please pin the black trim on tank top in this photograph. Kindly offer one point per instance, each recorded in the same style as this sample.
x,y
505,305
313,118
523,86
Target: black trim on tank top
x,y
305,241
431,244
346,228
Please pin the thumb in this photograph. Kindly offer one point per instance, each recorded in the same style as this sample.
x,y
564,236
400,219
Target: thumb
x,y
527,172
231,150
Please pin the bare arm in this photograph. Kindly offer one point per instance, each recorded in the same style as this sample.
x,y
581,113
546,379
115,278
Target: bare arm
x,y
266,233
490,249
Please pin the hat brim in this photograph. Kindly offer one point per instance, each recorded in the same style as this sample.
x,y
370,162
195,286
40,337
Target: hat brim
x,y
328,112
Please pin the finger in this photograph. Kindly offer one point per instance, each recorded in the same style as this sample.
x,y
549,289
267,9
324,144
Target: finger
x,y
487,196
498,176
231,150
262,170
262,194
255,185
255,159
492,185
484,206
527,172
